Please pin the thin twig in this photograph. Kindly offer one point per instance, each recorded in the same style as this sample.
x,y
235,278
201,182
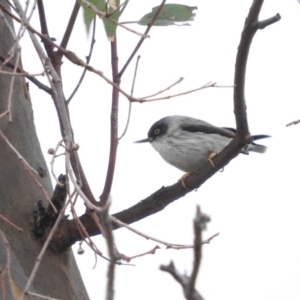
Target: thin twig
x,y
294,122
8,254
78,189
71,56
17,37
11,85
88,58
54,155
139,44
40,296
69,29
28,168
207,85
130,103
2,285
148,237
207,241
4,114
43,250
181,279
20,74
129,258
61,107
44,28
85,235
20,157
28,76
166,89
39,185
98,223
11,224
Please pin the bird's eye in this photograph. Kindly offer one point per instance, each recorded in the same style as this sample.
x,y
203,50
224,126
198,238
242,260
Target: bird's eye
x,y
157,131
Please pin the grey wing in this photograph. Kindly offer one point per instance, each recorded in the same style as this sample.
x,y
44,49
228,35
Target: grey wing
x,y
209,129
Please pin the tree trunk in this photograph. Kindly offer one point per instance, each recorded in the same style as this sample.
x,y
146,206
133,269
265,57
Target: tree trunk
x,y
58,275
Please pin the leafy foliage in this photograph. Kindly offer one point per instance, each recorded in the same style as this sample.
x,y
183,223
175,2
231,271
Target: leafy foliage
x,y
110,11
170,15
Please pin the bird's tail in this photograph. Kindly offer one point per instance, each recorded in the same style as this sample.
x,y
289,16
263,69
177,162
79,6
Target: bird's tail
x,y
257,147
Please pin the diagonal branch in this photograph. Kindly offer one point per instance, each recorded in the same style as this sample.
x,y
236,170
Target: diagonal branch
x,y
68,30
28,76
166,195
139,44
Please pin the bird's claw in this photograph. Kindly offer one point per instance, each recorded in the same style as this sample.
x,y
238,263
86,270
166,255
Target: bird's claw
x,y
181,180
210,158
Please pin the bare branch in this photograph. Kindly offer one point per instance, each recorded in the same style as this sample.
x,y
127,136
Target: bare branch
x,y
8,254
44,28
207,241
11,224
130,103
129,258
148,237
106,223
11,85
27,75
293,123
199,225
188,282
43,250
27,167
251,26
207,85
87,61
40,296
164,90
182,279
113,124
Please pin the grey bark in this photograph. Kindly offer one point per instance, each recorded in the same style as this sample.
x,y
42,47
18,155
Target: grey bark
x,y
58,275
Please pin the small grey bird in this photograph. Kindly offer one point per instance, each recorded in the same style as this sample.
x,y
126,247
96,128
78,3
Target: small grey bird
x,y
187,143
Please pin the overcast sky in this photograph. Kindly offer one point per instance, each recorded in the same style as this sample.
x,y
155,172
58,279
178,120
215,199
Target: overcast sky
x,y
254,203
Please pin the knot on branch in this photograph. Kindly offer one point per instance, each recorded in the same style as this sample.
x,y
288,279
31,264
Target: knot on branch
x,y
44,218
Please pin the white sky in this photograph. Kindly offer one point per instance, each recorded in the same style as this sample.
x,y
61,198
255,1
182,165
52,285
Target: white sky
x,y
254,203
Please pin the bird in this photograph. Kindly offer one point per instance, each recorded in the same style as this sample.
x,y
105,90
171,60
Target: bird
x,y
188,143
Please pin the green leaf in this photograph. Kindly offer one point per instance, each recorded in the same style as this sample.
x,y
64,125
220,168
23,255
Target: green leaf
x,y
169,15
111,7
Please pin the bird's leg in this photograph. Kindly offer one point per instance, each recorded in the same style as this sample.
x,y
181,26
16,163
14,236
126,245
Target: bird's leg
x,y
181,180
210,158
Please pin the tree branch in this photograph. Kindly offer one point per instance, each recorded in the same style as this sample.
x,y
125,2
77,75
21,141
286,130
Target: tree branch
x,y
113,125
188,282
68,30
44,27
139,44
251,26
166,195
31,78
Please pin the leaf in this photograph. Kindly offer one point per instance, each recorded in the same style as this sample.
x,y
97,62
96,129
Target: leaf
x,y
112,9
169,15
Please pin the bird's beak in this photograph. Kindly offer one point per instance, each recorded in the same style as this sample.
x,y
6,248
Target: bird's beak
x,y
149,139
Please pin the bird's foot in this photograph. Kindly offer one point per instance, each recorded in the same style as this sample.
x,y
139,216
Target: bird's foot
x,y
181,180
211,157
